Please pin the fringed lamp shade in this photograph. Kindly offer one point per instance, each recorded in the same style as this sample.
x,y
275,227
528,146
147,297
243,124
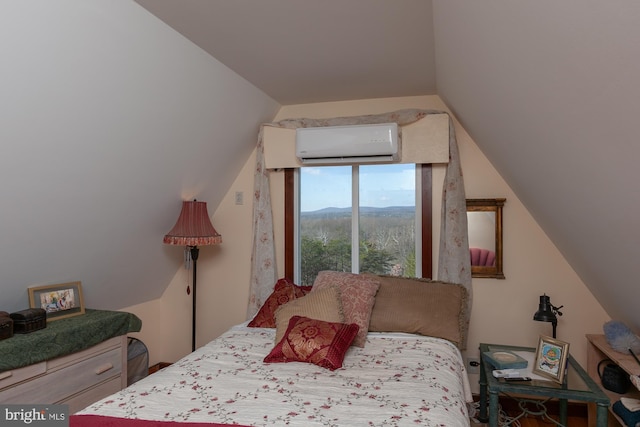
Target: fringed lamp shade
x,y
193,227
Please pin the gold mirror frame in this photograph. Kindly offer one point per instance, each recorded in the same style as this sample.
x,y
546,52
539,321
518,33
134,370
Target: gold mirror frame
x,y
495,206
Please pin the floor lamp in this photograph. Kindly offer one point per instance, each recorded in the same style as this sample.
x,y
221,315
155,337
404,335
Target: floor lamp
x,y
193,229
548,312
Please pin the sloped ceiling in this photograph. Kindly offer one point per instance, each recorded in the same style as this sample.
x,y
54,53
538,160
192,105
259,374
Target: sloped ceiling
x,y
108,120
314,51
547,89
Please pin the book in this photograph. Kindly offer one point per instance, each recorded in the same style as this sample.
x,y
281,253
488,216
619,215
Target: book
x,y
503,359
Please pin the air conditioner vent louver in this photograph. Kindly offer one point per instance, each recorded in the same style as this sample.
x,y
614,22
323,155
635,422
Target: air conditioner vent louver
x,y
348,144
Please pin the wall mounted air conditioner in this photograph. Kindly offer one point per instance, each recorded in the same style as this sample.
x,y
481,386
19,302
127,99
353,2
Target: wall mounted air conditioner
x,y
348,144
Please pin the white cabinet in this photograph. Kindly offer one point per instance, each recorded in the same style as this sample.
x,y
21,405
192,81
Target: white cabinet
x,y
77,379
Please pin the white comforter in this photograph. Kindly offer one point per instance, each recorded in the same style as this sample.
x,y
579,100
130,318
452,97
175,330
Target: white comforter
x,y
397,379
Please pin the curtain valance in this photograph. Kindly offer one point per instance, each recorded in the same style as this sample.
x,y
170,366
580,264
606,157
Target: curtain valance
x,y
423,141
454,264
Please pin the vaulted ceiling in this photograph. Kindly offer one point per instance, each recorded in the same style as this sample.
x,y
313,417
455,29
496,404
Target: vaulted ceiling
x,y
548,90
304,52
109,118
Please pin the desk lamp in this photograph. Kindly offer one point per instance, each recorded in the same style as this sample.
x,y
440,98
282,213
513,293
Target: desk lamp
x,y
193,229
548,312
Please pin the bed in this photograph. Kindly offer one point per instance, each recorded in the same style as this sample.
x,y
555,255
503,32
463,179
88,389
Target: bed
x,y
292,364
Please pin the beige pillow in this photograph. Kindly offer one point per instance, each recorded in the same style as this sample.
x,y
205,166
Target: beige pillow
x,y
322,305
419,306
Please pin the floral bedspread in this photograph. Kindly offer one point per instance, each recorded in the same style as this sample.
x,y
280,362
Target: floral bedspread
x,y
396,379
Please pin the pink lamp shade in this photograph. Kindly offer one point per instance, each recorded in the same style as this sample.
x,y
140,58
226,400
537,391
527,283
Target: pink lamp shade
x,y
194,227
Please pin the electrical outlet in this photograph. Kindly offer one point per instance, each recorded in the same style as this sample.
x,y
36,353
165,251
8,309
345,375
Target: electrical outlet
x,y
239,198
473,365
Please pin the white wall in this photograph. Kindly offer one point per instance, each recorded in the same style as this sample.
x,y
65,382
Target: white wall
x,y
108,120
503,309
223,283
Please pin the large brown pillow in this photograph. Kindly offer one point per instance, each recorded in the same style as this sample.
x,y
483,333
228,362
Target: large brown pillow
x,y
323,305
419,306
357,293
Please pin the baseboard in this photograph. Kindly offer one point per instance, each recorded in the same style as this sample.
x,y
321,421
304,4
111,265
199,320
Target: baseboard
x,y
157,367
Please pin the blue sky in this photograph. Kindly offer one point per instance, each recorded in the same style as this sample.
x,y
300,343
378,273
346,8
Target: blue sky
x,y
380,186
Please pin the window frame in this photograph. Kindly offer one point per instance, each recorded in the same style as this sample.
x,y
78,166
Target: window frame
x,y
426,184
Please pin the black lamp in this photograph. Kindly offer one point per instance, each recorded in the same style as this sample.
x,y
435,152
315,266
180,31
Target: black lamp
x,y
548,312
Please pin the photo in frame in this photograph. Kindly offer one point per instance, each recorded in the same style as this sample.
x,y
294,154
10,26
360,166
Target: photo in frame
x,y
59,301
551,358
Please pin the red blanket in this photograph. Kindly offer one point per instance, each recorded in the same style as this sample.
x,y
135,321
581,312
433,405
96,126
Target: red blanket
x,y
100,421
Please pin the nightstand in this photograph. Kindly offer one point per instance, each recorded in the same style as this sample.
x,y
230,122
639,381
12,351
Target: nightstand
x,y
578,386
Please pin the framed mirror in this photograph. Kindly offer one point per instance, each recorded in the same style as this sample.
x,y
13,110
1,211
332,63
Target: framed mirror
x,y
484,221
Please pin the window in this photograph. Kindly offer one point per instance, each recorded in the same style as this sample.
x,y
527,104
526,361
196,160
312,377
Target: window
x,y
358,218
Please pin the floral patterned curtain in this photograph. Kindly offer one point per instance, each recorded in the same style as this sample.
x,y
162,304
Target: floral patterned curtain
x,y
454,262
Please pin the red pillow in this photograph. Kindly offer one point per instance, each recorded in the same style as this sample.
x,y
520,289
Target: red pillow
x,y
283,292
301,291
314,341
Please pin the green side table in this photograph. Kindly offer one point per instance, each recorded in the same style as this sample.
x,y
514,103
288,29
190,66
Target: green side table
x,y
578,385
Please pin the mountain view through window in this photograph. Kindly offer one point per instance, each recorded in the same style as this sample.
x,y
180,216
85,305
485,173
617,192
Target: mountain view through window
x,y
357,219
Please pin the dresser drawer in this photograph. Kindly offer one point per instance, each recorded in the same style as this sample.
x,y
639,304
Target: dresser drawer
x,y
87,397
14,376
72,358
64,382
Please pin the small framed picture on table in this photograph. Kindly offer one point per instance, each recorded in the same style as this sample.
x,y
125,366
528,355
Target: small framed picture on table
x,y
551,358
59,301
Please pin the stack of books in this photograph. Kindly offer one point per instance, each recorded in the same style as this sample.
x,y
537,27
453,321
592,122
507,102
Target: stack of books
x,y
502,359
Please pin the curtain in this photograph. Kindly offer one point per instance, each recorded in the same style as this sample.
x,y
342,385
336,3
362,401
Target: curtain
x,y
454,263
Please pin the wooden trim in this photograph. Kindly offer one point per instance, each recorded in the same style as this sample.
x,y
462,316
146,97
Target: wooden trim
x,y
155,368
426,177
289,215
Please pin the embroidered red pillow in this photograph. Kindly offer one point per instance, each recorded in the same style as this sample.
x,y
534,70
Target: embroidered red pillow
x,y
283,292
314,341
301,291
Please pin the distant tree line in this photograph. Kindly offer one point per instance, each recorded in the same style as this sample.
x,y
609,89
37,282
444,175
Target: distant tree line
x,y
387,243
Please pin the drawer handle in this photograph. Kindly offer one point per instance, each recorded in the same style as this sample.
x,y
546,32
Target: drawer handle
x,y
103,368
5,375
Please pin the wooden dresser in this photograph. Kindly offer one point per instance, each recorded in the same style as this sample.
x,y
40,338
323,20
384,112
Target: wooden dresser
x,y
74,361
77,379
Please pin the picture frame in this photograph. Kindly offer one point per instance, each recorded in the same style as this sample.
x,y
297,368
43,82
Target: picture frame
x,y
59,301
551,358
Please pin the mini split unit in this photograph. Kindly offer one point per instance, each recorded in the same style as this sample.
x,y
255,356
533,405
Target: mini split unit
x,y
348,144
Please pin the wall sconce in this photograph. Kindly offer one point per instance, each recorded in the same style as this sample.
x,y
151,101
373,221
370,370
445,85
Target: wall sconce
x,y
548,312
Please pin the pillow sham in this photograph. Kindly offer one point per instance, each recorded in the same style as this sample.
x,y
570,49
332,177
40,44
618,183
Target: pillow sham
x,y
314,341
357,293
283,292
419,306
323,305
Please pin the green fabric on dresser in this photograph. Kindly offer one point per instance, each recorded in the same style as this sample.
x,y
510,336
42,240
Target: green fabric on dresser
x,y
65,336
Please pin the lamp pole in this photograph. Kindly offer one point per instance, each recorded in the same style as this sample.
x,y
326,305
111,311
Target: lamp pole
x,y
194,256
